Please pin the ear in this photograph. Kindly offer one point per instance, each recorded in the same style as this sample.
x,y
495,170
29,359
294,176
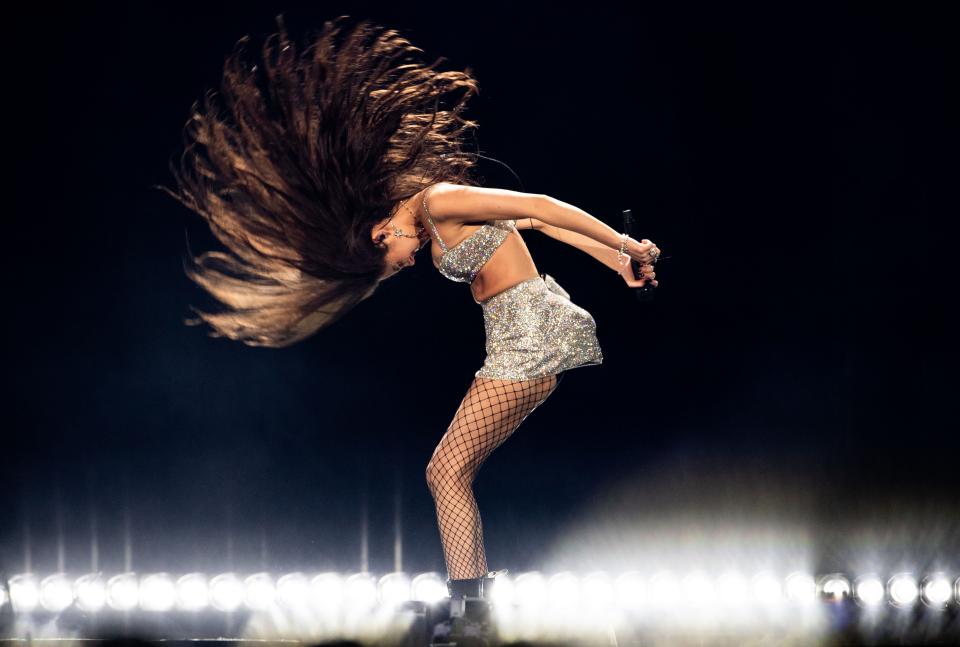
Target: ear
x,y
377,231
381,227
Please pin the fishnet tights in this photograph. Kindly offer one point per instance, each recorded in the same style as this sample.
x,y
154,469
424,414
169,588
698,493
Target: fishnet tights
x,y
490,411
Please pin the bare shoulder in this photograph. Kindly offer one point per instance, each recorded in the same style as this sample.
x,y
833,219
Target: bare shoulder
x,y
446,201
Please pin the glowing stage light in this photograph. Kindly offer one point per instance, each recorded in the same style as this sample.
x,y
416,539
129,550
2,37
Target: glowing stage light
x,y
733,589
563,591
868,590
834,587
698,590
259,591
630,590
91,592
293,590
428,587
935,590
360,591
394,589
226,592
530,589
902,589
503,590
801,588
193,593
596,590
123,591
158,592
56,592
664,590
3,597
767,589
24,592
327,590
956,588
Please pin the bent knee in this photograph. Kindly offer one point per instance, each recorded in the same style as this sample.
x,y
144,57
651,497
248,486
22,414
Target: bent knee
x,y
441,472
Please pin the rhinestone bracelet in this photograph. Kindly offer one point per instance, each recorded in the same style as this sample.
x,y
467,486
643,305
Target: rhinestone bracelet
x,y
623,246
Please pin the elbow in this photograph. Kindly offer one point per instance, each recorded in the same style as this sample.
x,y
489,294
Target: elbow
x,y
546,207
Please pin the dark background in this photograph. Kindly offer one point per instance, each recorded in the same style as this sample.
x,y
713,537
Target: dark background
x,y
785,401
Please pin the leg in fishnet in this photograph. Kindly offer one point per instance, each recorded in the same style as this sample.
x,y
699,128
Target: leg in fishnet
x,y
490,411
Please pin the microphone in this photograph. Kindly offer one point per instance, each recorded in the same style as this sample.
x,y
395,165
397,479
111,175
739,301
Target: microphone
x,y
645,292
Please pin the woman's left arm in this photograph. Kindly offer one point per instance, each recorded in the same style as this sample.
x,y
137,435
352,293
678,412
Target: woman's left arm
x,y
604,254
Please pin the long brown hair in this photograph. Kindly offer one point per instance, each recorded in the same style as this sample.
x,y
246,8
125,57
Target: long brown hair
x,y
293,183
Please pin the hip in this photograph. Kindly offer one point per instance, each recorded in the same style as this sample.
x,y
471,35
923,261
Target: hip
x,y
530,305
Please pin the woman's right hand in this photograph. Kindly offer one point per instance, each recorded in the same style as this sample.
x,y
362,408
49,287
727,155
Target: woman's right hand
x,y
644,252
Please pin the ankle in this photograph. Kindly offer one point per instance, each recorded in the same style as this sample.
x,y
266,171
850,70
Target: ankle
x,y
465,588
474,587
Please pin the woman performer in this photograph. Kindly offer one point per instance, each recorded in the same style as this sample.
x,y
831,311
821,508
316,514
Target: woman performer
x,y
329,179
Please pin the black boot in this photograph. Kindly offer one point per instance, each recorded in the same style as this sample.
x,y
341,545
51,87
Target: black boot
x,y
470,622
469,588
486,585
476,587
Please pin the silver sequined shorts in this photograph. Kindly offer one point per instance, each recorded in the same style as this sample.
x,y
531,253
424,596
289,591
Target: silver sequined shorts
x,y
533,329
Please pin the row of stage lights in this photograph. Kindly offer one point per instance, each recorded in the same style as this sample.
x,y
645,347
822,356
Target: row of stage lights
x,y
228,592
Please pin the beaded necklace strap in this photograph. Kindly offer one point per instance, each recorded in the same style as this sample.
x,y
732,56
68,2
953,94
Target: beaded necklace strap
x,y
426,210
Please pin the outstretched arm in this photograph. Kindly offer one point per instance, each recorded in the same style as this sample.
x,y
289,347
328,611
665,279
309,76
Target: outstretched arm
x,y
604,254
574,220
461,203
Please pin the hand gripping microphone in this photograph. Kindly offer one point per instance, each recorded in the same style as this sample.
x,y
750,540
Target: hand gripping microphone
x,y
645,292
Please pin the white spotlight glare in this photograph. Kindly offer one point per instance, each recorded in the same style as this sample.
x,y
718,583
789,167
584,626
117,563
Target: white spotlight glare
x,y
801,588
733,589
259,591
157,592
193,593
530,589
24,592
664,590
394,589
767,589
834,587
902,589
935,590
596,590
327,590
91,592
293,590
698,590
868,590
428,587
56,592
563,590
360,591
630,590
3,596
226,592
502,590
123,591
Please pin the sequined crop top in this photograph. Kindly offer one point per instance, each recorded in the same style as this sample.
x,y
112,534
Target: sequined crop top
x,y
463,261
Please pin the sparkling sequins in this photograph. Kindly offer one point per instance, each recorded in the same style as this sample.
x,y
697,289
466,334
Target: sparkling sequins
x,y
463,261
533,329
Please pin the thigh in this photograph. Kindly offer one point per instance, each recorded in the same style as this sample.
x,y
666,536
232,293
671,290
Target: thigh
x,y
490,411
